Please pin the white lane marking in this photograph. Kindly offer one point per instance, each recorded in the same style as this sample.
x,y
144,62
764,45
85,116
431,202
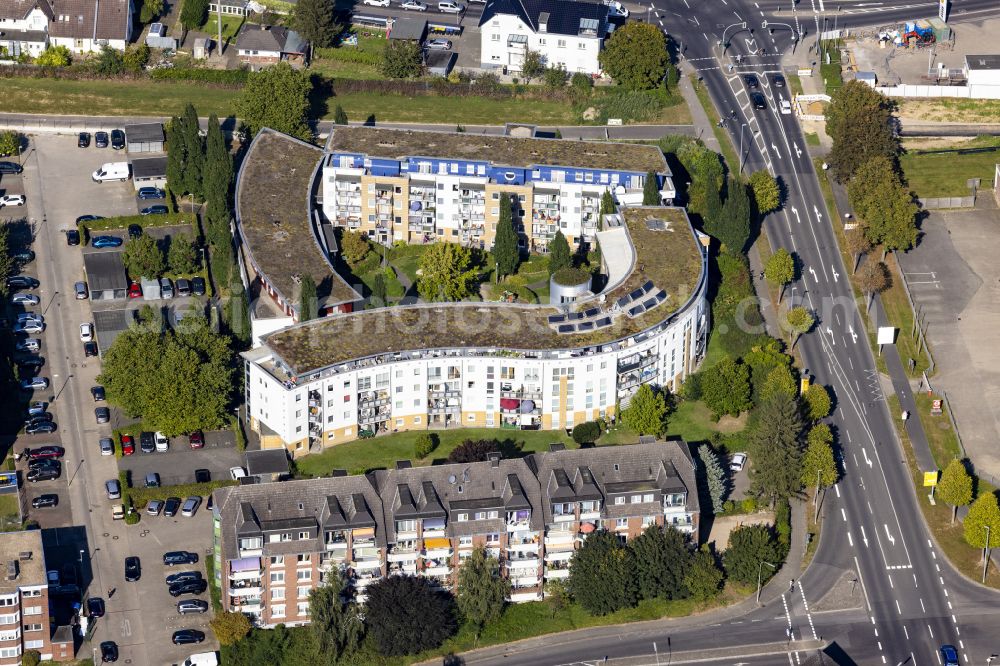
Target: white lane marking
x,y
898,609
843,514
930,630
923,610
850,540
863,588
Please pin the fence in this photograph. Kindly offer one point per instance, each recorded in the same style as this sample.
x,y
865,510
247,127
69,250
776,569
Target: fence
x,y
948,202
931,91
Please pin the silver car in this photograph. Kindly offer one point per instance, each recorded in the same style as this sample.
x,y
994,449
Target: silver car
x,y
25,299
107,446
81,291
154,507
190,506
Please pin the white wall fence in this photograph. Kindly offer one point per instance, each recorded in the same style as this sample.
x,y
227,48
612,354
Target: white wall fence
x,y
911,90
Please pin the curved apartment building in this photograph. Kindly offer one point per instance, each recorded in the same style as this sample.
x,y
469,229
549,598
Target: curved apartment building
x,y
357,372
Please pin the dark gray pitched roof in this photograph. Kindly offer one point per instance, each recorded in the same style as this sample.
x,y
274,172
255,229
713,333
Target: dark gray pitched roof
x,y
254,37
18,10
267,461
564,16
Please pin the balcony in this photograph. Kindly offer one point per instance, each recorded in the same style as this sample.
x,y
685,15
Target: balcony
x,y
363,552
564,518
558,556
406,535
443,570
557,539
433,532
402,556
590,515
516,525
367,565
403,569
523,582
556,574
251,552
245,575
437,548
246,606
246,590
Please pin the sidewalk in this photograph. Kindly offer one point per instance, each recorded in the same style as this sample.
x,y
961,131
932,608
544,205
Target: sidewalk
x,y
702,125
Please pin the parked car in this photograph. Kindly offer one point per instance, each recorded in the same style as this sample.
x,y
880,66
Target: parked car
x,y
98,393
29,345
438,44
176,557
113,489
738,462
10,168
197,440
31,364
128,445
162,443
190,507
107,446
158,209
146,444
183,576
42,474
89,349
192,606
152,480
45,463
616,9
377,3
40,428
198,286
202,475
413,5
133,569
100,242
171,506
166,288
86,332
449,7
81,291
83,140
134,231
135,290
101,140
24,299
758,101
236,473
95,607
72,237
751,81
22,282
29,326
45,501
24,317
50,451
117,139
24,256
190,587
183,287
88,218
145,193
37,408
35,384
109,649
102,414
154,507
187,636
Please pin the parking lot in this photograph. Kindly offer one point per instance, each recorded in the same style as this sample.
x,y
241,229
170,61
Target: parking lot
x,y
178,465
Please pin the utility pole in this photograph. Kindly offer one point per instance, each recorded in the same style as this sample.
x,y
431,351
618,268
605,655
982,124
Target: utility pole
x,y
986,559
816,499
760,571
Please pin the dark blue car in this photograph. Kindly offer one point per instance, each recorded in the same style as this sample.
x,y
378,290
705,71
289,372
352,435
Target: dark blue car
x,y
101,139
158,209
949,655
106,241
150,193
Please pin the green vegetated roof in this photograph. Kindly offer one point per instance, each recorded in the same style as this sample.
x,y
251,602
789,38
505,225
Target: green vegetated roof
x,y
500,150
670,257
272,195
571,276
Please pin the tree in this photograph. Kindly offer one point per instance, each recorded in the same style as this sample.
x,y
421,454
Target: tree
x,y
339,116
818,465
217,172
10,143
732,227
230,628
425,444
955,486
651,190
778,380
817,402
983,513
54,56
336,625
151,10
857,244
176,153
182,257
237,312
308,300
662,560
446,273
586,432
108,62
276,97
774,445
555,76
143,257
406,615
505,250
780,270
703,578
354,247
859,120
725,387
716,482
636,56
194,152
473,450
581,83
559,254
647,411
482,592
799,321
8,264
316,21
607,203
749,545
31,658
532,66
401,59
602,575
873,279
766,192
380,290
884,204
135,58
194,13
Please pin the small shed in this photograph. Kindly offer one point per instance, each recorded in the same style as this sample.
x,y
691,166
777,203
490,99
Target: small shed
x,y
106,275
157,37
144,138
408,28
149,172
439,63
150,289
202,48
267,465
867,77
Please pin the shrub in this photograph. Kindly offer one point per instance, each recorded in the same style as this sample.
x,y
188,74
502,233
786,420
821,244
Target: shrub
x,y
140,497
582,83
571,276
749,505
224,77
144,221
783,523
54,56
586,433
555,77
473,450
425,444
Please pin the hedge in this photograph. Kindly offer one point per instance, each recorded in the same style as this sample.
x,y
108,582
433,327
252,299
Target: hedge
x,y
144,221
141,496
222,77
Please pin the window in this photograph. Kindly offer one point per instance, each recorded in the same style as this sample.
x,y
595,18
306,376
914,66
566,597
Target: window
x,y
303,536
561,43
31,593
278,610
464,542
34,645
6,653
621,522
32,627
480,515
305,574
492,538
648,520
636,499
303,609
277,560
462,517
277,593
277,577
647,497
33,610
304,558
619,500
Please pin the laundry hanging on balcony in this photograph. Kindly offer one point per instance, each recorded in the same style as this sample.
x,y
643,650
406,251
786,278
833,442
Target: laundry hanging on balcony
x,y
527,406
510,403
416,205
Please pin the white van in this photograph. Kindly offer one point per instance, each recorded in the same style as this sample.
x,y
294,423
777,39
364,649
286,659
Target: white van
x,y
202,659
112,171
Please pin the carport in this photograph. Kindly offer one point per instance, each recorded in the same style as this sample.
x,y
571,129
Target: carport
x,y
144,138
149,172
110,324
408,28
106,275
267,465
439,63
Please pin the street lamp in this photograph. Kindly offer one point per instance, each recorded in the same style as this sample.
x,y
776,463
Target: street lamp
x,y
741,146
723,43
760,571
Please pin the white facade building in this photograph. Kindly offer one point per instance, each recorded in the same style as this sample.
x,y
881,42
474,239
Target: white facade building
x,y
24,28
564,32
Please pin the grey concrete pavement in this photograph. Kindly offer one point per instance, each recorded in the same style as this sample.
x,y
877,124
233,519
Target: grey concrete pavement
x,y
178,464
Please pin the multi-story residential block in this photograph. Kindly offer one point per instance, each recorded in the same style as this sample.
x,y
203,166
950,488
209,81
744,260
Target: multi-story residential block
x,y
565,33
530,513
24,599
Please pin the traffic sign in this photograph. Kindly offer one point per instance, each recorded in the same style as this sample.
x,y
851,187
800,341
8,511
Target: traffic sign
x,y
930,478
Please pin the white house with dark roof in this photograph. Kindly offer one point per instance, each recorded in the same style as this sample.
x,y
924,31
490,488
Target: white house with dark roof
x,y
564,32
24,27
265,45
85,26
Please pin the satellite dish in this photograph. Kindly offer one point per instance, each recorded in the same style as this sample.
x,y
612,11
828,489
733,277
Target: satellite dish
x,y
452,479
619,190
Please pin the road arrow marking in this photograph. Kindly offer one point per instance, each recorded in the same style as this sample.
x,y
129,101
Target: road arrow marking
x,y
796,212
751,45
864,537
830,333
892,539
798,153
776,151
864,451
816,210
835,273
812,271
854,336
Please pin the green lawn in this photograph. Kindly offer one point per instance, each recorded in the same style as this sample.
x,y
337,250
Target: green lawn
x,y
728,152
940,435
812,139
795,82
230,27
347,61
10,518
945,174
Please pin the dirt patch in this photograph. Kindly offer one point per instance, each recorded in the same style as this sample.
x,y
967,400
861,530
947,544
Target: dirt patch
x,y
728,424
723,525
950,110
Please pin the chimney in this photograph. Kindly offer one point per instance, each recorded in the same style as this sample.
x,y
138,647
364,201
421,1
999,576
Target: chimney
x,y
494,458
543,22
13,570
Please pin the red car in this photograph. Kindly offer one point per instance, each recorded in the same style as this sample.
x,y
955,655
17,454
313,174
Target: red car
x,y
46,452
128,445
197,440
134,290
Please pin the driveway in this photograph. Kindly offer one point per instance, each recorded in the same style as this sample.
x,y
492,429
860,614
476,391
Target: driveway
x,y
177,465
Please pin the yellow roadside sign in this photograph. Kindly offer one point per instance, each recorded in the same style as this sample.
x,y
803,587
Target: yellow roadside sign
x,y
930,478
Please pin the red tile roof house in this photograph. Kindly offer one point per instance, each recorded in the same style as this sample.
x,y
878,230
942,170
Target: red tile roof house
x,y
84,26
265,45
